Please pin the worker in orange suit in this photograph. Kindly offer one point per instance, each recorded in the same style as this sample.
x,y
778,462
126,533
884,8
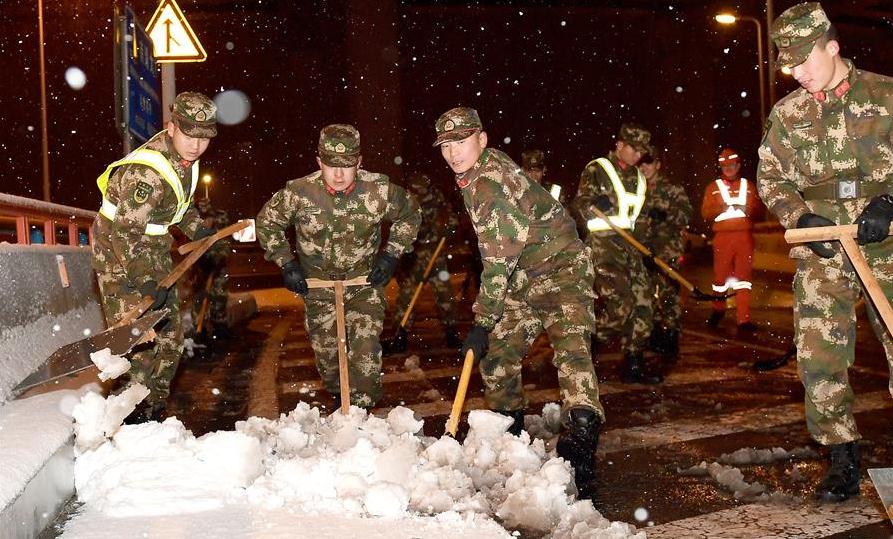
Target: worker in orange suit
x,y
730,204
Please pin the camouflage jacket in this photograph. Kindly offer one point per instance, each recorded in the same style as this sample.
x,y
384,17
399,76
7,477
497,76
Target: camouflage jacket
x,y
594,181
438,218
221,249
143,196
812,139
519,226
664,236
339,234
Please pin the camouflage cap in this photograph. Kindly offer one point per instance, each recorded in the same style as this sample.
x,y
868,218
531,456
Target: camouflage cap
x,y
419,183
339,145
195,114
796,30
533,159
636,136
457,124
204,206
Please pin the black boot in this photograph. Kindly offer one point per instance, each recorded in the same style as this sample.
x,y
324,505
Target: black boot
x,y
518,417
452,338
671,345
397,345
633,371
715,318
842,479
577,445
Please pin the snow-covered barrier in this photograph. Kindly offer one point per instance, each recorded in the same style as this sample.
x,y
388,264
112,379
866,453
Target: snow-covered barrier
x,y
48,299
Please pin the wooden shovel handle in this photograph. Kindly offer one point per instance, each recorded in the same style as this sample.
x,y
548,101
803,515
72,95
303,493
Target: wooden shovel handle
x,y
322,283
869,281
418,288
822,233
459,402
222,233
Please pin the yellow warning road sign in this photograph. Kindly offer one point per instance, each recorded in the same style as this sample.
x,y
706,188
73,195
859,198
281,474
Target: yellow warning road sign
x,y
172,37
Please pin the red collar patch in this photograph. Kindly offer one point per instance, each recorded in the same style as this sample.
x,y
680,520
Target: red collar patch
x,y
344,192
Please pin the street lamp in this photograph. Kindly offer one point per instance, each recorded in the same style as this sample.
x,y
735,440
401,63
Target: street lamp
x,y
728,19
206,179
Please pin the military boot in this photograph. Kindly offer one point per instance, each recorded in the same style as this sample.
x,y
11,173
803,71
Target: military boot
x,y
577,445
842,479
452,338
633,371
671,345
518,421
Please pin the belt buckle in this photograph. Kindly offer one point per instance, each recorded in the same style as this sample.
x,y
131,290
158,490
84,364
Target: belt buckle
x,y
847,189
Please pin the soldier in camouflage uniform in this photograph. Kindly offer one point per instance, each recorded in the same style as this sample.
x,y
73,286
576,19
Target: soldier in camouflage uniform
x,y
537,275
143,194
213,265
438,220
533,162
660,227
615,186
826,158
337,214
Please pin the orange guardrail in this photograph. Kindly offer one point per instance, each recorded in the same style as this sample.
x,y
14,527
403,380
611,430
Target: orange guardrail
x,y
26,221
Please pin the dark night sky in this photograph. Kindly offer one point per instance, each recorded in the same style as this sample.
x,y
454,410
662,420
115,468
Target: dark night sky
x,y
561,77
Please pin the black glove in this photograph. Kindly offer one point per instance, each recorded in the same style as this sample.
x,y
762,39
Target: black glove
x,y
811,220
150,288
294,278
874,222
657,214
477,340
382,269
649,263
204,233
603,203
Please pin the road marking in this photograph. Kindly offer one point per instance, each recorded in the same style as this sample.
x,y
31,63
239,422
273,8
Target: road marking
x,y
780,521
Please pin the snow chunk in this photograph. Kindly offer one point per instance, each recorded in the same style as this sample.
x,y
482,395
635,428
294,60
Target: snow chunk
x,y
97,418
110,366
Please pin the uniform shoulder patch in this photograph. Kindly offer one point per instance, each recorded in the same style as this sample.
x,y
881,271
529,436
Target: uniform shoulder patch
x,y
142,192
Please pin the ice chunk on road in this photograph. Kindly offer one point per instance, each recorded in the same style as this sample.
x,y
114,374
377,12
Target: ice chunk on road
x,y
110,366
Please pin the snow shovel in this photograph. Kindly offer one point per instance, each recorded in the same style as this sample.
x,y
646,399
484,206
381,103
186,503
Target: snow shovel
x,y
845,234
343,375
123,335
665,268
203,310
459,402
222,233
398,343
882,478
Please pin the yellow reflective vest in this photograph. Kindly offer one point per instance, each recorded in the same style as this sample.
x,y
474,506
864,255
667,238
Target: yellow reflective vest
x,y
628,204
157,161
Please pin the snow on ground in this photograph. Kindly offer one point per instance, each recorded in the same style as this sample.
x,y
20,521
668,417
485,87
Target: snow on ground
x,y
341,475
24,448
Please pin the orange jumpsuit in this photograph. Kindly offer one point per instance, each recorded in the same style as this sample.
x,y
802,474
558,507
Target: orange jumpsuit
x,y
731,216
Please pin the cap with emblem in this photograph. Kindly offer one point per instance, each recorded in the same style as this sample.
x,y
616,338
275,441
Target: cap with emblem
x,y
195,115
636,136
532,159
728,155
457,124
796,30
339,145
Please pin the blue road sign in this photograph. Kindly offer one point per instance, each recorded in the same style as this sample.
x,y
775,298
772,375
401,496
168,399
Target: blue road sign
x,y
143,95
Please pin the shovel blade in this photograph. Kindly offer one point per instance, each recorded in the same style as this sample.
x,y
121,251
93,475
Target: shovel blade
x,y
75,357
883,483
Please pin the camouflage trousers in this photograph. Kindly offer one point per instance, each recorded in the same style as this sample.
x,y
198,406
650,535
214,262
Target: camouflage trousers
x,y
216,294
667,305
364,310
560,302
623,292
155,364
439,278
826,291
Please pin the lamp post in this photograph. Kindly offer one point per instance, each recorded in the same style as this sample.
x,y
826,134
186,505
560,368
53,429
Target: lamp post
x,y
44,139
206,180
727,19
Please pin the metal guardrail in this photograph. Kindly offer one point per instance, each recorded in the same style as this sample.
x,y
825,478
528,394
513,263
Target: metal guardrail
x,y
26,221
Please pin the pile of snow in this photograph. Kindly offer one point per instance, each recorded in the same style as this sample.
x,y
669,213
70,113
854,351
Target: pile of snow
x,y
97,419
354,465
750,455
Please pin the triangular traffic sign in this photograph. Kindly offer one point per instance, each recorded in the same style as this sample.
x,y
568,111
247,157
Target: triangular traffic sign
x,y
172,37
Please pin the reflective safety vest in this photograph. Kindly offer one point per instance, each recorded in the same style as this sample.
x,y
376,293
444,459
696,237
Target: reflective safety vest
x,y
740,200
628,204
158,162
